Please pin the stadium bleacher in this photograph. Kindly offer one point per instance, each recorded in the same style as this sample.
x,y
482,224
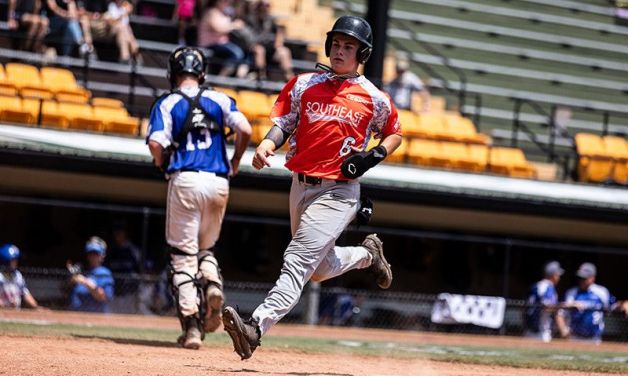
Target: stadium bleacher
x,y
545,53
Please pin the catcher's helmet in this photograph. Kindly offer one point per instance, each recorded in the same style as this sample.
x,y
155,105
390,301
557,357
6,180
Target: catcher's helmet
x,y
356,27
8,253
189,60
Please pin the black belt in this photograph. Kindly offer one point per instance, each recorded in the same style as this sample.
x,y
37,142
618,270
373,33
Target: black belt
x,y
226,176
313,180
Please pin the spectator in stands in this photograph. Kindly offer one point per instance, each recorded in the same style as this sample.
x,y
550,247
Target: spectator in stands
x,y
542,303
404,85
213,33
13,290
118,13
70,26
183,14
124,260
582,316
93,288
269,41
25,15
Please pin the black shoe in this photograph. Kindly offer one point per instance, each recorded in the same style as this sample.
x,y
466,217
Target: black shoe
x,y
192,338
244,334
379,266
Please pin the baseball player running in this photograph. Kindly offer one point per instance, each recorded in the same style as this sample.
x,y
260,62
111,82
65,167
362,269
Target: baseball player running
x,y
187,141
330,117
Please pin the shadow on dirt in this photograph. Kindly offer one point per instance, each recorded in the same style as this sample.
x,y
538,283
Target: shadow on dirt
x,y
131,341
245,370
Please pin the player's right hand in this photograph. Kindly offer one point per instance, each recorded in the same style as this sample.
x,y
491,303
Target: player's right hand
x,y
263,151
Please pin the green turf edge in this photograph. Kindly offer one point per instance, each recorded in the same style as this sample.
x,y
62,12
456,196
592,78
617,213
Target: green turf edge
x,y
518,358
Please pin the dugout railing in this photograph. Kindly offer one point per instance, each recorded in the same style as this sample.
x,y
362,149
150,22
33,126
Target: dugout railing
x,y
148,294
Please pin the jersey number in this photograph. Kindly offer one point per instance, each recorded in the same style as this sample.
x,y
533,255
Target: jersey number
x,y
203,141
346,146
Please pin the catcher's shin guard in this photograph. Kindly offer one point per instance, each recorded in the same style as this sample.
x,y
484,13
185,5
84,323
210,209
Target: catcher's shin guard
x,y
174,290
211,282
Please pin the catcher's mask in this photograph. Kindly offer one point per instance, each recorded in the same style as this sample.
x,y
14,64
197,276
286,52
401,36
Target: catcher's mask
x,y
189,60
355,27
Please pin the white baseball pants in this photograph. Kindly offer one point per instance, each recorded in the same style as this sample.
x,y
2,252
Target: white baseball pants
x,y
318,215
195,208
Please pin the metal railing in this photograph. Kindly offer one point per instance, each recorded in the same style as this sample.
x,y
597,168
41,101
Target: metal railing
x,y
149,294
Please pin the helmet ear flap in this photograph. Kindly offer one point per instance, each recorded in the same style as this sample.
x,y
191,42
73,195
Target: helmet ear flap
x,y
328,45
364,54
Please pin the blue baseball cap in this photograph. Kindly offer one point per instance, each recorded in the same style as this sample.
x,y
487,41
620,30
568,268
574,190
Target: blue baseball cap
x,y
96,244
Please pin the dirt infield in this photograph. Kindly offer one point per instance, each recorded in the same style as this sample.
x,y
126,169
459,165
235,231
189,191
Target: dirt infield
x,y
36,355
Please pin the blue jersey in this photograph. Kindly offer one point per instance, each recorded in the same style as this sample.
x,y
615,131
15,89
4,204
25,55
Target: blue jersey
x,y
82,300
589,323
542,294
202,150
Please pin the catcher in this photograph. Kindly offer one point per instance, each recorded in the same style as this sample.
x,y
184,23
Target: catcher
x,y
187,141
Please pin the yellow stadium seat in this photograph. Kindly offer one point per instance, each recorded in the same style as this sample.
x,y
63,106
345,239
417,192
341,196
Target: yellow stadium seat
x,y
451,153
6,88
410,123
107,102
63,84
477,158
594,164
511,162
116,120
253,104
461,129
33,107
52,116
11,111
272,98
432,125
27,80
81,116
617,148
421,151
399,155
230,92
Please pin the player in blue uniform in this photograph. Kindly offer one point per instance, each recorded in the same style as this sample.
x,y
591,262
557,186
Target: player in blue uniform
x,y
93,287
586,303
187,141
13,290
542,303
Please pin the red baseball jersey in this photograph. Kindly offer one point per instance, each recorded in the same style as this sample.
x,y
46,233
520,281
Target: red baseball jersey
x,y
326,116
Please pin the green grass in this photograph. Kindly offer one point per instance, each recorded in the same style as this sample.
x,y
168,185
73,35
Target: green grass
x,y
510,357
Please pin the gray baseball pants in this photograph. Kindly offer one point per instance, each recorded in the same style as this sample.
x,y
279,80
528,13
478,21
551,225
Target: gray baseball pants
x,y
318,215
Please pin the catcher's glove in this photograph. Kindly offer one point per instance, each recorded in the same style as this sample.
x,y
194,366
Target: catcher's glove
x,y
73,269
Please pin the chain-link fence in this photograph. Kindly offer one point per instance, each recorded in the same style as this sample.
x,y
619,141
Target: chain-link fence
x,y
150,295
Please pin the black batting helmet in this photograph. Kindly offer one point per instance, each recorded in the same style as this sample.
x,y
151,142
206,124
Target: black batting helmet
x,y
189,60
356,27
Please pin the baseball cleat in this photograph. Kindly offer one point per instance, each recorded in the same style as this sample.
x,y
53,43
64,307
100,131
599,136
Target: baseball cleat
x,y
244,334
192,338
213,317
379,266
